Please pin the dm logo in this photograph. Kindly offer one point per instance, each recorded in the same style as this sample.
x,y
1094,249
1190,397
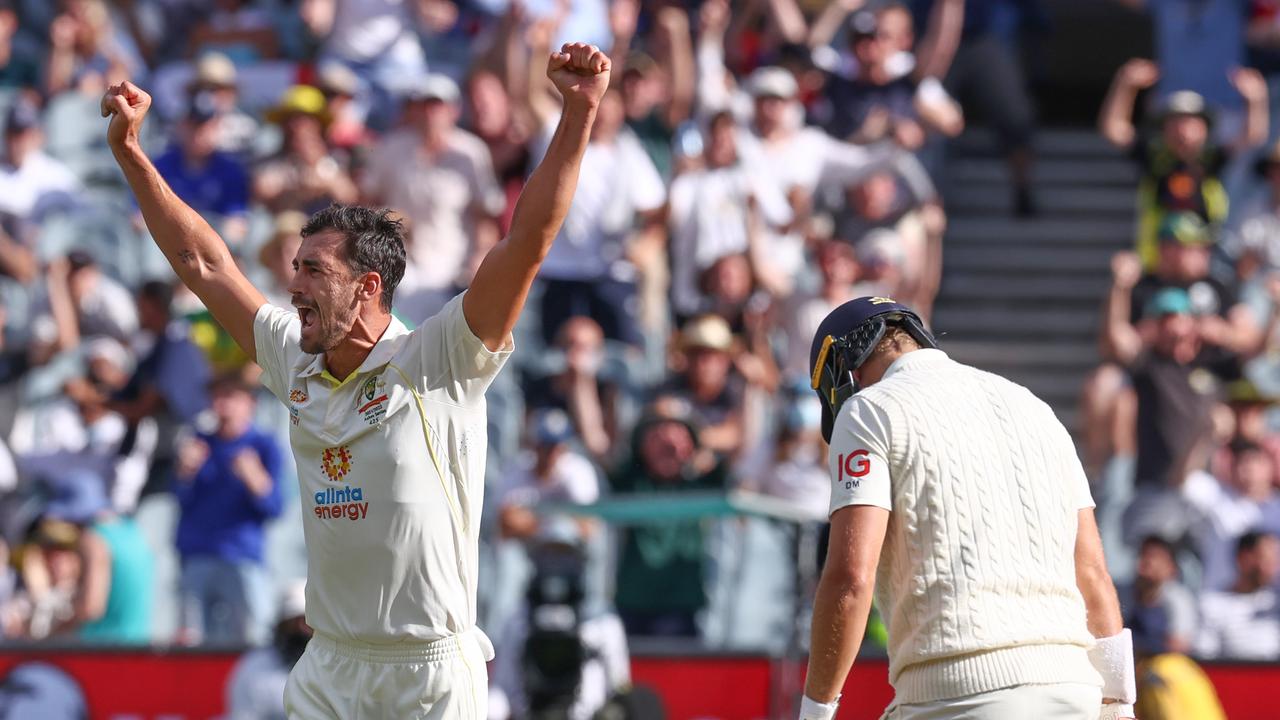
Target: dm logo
x,y
336,462
298,397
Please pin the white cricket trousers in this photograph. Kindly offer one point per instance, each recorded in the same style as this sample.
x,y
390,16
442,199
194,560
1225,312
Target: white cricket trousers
x,y
1059,701
441,680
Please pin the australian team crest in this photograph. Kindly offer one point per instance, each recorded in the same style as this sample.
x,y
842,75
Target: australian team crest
x,y
371,401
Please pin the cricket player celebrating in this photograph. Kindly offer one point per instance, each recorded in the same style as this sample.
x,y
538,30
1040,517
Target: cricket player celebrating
x,y
958,499
388,423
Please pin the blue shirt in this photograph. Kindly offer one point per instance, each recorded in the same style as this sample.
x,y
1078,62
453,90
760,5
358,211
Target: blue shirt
x,y
220,187
177,370
1197,44
221,517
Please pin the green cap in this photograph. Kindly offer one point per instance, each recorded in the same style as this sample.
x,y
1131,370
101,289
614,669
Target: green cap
x,y
1186,228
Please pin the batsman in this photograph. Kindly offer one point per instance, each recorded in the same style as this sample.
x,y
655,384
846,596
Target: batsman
x,y
959,502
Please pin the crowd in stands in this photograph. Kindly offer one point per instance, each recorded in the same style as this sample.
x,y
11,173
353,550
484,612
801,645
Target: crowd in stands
x,y
753,165
1178,425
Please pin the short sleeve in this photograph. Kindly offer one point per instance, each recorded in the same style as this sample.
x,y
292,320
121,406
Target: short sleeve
x,y
275,341
453,358
859,457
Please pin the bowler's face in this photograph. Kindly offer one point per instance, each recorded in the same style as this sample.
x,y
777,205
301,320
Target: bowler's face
x,y
324,291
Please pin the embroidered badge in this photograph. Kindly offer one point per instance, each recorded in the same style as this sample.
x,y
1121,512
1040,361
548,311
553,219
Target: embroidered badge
x,y
371,401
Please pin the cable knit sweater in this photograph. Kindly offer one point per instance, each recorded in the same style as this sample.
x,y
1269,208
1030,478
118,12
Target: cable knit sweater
x,y
977,575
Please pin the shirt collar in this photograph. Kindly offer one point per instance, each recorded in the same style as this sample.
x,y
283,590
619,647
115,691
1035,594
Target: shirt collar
x,y
916,358
380,355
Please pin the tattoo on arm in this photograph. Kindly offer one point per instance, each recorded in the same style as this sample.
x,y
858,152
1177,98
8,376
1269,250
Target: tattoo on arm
x,y
186,256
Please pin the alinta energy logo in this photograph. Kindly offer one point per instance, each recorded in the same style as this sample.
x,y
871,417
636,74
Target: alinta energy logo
x,y
336,503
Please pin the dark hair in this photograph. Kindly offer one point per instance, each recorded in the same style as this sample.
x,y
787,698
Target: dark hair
x,y
1251,540
1157,541
158,292
375,241
229,382
1240,446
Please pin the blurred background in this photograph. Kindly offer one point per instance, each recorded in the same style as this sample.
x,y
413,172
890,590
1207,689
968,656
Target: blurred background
x,y
1083,196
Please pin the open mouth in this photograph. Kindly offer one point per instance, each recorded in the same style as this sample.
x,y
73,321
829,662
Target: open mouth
x,y
307,316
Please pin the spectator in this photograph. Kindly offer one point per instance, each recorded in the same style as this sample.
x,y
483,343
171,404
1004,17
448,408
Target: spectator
x,y
80,432
1226,329
31,182
18,69
227,486
168,384
906,203
716,210
277,254
255,690
838,272
113,603
1249,409
1181,165
86,51
238,29
214,183
1245,500
660,585
709,384
1159,610
347,131
1174,385
492,117
441,177
1183,261
376,39
878,101
237,130
552,472
582,389
1198,46
102,306
304,175
1243,623
50,580
795,470
595,266
657,95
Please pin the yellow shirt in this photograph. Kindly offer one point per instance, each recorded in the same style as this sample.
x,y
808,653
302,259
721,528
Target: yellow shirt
x,y
391,523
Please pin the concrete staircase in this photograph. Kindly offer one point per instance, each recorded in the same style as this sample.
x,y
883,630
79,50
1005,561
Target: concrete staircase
x,y
1022,298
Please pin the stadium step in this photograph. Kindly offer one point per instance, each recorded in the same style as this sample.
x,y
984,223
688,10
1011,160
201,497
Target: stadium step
x,y
1022,297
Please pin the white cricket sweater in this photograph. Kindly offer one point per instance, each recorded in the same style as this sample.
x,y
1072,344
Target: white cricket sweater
x,y
976,580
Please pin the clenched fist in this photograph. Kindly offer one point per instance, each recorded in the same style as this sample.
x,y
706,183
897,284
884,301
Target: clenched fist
x,y
126,104
580,72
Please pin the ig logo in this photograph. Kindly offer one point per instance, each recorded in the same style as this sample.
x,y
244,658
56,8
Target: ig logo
x,y
854,465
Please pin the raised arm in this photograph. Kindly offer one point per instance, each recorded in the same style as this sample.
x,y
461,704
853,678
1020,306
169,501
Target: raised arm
x,y
1253,88
1120,340
1115,122
198,256
497,295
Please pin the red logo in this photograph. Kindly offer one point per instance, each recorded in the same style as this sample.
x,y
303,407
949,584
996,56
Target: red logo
x,y
855,464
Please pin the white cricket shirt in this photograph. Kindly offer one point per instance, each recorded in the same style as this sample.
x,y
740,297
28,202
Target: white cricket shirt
x,y
976,580
392,541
